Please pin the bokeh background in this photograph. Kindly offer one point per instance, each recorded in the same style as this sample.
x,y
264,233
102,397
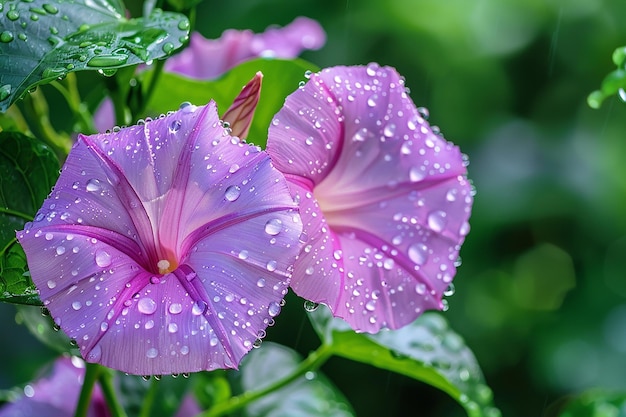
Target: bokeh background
x,y
541,294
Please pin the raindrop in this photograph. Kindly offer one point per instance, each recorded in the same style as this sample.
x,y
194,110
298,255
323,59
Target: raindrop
x,y
273,309
104,326
50,8
232,193
309,140
449,291
310,306
51,284
418,253
147,305
371,102
257,343
260,283
371,69
76,305
416,174
60,250
183,24
172,327
5,92
307,74
199,308
112,60
103,259
273,227
152,353
175,126
175,308
13,15
420,289
370,305
93,185
423,111
243,254
271,265
168,47
389,130
360,135
95,354
6,36
437,220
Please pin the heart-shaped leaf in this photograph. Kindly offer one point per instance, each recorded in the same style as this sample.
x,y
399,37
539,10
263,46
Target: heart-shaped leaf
x,y
43,40
426,350
28,170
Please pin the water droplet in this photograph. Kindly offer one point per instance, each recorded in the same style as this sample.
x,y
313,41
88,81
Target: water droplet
x,y
418,253
104,326
51,284
420,289
175,308
423,111
370,305
309,140
307,74
273,309
172,327
271,266
199,308
95,354
111,60
103,258
310,306
152,353
371,69
232,193
360,135
437,220
260,283
76,305
168,47
13,15
416,174
50,8
6,36
389,130
149,324
449,291
183,24
60,250
93,185
273,227
146,305
371,102
187,107
175,126
5,92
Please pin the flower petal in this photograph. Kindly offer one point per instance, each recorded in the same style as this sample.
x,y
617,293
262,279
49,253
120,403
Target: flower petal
x,y
393,192
239,115
143,280
208,58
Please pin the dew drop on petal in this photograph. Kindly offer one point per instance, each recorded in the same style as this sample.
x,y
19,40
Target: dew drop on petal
x,y
51,284
93,185
172,327
76,305
199,308
146,305
271,265
103,259
273,227
175,308
273,309
389,130
260,283
95,354
232,193
437,220
416,174
310,306
370,305
152,353
60,250
418,253
420,289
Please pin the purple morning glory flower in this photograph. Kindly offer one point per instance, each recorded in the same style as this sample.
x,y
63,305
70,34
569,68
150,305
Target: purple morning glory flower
x,y
384,199
56,394
209,58
165,247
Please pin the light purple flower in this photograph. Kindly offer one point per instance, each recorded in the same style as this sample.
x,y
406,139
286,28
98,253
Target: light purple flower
x,y
165,247
384,199
209,58
56,394
240,114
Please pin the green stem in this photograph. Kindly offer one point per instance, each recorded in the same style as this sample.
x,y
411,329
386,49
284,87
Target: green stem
x,y
106,383
148,401
69,89
311,363
91,376
38,108
156,74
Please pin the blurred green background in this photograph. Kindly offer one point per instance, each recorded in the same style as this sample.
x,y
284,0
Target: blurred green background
x,y
541,294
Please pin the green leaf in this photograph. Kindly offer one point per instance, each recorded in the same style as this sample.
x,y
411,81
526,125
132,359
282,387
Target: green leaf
x,y
28,170
596,403
614,83
310,395
43,40
426,350
280,78
40,324
183,4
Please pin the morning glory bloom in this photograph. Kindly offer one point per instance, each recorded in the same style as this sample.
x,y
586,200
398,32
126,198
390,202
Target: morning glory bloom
x,y
240,114
383,197
56,393
165,247
209,58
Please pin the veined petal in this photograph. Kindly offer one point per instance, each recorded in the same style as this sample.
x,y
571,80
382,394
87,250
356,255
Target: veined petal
x,y
393,192
143,280
239,115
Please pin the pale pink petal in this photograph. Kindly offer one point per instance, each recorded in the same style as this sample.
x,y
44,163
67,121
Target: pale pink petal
x,y
209,58
240,114
393,193
143,281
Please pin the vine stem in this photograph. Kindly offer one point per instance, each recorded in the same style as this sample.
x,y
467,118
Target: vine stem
x,y
106,383
92,372
316,359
